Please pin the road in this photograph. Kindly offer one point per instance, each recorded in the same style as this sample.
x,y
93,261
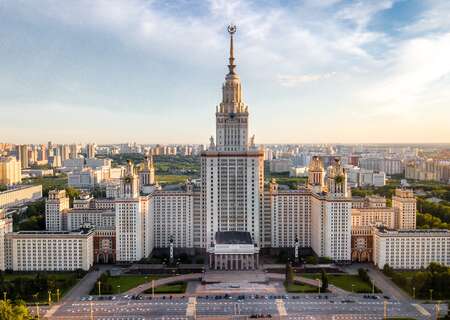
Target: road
x,y
306,306
382,282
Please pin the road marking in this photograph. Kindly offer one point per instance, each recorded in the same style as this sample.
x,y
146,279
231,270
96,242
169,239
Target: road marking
x,y
280,307
421,309
191,308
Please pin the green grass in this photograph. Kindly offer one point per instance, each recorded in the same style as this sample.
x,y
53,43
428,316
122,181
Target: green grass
x,y
300,288
171,179
126,282
345,282
171,288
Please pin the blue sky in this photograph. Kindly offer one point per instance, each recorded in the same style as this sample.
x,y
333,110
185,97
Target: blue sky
x,y
151,71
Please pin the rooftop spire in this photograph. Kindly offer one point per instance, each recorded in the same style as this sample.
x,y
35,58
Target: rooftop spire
x,y
231,66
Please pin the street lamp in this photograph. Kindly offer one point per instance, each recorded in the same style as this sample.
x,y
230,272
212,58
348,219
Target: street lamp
x,y
414,292
385,309
319,284
373,286
4,296
99,286
118,288
431,294
57,294
49,297
353,287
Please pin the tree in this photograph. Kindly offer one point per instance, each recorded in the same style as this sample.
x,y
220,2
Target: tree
x,y
311,260
289,273
324,280
9,311
362,273
388,270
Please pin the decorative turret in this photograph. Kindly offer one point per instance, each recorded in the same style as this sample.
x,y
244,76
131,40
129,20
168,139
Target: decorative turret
x,y
316,175
337,180
129,182
147,172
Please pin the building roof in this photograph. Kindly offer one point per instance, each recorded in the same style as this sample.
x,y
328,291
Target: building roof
x,y
233,237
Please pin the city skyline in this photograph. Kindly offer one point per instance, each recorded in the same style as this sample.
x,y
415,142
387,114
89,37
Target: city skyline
x,y
77,72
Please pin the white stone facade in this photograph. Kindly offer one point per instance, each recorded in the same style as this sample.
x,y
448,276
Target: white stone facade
x,y
411,249
50,250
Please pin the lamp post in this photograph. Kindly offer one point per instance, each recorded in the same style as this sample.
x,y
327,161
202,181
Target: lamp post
x,y
319,284
99,283
438,309
385,310
57,294
431,294
49,297
373,286
414,292
153,289
353,286
37,310
4,296
92,312
118,288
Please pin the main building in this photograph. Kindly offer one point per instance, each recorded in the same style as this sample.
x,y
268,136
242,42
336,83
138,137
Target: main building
x,y
230,216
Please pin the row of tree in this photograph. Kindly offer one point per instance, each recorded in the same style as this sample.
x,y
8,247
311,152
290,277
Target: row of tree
x,y
36,287
435,277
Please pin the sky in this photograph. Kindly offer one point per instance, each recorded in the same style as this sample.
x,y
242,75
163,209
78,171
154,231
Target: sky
x,y
312,71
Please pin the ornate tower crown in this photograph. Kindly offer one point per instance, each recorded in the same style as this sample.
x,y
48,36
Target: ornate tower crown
x,y
231,30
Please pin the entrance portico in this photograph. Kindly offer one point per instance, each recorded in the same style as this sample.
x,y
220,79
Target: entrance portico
x,y
233,250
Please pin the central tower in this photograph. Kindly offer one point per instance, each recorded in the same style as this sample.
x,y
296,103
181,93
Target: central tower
x,y
232,113
232,169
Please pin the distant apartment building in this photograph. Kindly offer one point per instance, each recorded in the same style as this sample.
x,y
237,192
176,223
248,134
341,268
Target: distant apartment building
x,y
428,170
387,165
280,165
20,195
10,171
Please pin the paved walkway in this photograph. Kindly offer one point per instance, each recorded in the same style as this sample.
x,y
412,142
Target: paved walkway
x,y
311,282
159,282
385,284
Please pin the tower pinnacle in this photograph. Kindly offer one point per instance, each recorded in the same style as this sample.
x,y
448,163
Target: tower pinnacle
x,y
231,30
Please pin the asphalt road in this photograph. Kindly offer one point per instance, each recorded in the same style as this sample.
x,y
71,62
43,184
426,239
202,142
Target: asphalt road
x,y
303,307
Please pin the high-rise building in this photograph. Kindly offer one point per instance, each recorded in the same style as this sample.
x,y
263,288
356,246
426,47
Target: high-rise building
x,y
232,171
404,204
10,171
6,226
134,223
90,150
57,202
22,155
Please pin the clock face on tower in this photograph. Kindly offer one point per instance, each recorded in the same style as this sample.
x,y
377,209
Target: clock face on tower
x,y
232,115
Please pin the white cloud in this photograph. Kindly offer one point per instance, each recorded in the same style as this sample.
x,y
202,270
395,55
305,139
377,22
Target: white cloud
x,y
295,80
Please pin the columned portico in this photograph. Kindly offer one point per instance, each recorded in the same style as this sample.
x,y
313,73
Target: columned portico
x,y
233,250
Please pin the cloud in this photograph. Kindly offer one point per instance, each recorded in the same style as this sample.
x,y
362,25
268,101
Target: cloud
x,y
295,80
287,44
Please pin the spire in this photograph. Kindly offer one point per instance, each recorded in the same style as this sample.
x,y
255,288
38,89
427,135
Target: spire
x,y
231,66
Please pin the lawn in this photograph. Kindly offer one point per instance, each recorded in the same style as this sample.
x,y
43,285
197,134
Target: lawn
x,y
171,179
126,282
171,288
345,282
300,288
